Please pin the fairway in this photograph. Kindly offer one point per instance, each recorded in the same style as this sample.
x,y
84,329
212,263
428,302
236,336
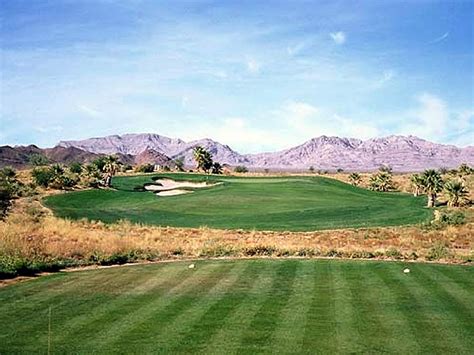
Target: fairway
x,y
244,306
281,203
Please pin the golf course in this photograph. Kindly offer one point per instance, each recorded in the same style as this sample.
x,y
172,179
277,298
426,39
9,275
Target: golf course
x,y
295,203
244,306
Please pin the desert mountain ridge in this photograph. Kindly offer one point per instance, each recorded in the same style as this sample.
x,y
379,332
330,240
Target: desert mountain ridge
x,y
402,153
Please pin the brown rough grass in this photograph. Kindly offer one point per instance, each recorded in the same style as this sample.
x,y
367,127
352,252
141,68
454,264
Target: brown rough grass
x,y
32,232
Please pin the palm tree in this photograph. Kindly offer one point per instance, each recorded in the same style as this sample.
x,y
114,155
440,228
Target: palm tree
x,y
417,184
382,181
111,166
456,192
432,184
203,159
355,179
216,168
464,170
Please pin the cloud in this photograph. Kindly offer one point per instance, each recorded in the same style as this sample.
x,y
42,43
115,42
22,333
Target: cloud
x,y
48,129
338,37
434,120
88,110
440,38
253,66
432,114
305,121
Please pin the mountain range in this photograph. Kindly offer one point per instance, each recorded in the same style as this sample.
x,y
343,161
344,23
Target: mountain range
x,y
402,153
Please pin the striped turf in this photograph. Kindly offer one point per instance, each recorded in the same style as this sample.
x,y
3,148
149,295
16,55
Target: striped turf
x,y
245,307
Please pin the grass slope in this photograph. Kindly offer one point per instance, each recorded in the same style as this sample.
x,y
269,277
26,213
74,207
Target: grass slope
x,y
244,306
291,203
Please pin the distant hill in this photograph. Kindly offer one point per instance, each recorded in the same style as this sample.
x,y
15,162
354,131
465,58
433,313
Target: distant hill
x,y
402,153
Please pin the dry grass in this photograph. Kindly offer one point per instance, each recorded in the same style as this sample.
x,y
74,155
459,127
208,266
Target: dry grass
x,y
32,233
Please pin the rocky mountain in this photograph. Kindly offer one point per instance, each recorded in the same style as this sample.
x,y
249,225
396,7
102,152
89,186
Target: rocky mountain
x,y
174,148
129,144
20,156
402,153
150,156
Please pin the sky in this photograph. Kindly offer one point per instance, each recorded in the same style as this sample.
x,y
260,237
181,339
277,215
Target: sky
x,y
256,75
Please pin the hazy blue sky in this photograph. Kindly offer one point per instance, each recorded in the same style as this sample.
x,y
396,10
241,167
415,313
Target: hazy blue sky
x,y
257,75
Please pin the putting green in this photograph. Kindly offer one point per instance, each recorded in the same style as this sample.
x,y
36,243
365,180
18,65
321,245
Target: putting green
x,y
291,203
244,306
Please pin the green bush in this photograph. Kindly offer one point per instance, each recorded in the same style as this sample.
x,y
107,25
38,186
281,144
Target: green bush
x,y
241,169
42,176
444,219
75,168
38,160
438,251
145,168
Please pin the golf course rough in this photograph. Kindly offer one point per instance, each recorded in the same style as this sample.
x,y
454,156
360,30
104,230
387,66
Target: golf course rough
x,y
244,306
280,203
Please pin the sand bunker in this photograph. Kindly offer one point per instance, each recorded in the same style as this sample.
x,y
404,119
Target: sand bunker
x,y
173,192
168,187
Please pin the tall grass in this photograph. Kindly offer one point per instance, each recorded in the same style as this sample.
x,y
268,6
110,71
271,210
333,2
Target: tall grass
x,y
32,240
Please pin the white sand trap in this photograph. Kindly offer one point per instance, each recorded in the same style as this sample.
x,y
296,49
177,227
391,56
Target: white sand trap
x,y
168,187
173,192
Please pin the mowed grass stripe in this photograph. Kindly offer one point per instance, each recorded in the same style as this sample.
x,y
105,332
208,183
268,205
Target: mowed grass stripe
x,y
258,336
396,320
416,301
247,306
320,328
152,323
289,334
456,279
456,312
227,339
142,313
66,295
192,329
346,332
373,314
142,286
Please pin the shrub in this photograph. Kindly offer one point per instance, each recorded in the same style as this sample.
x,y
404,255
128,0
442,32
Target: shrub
x,y
42,176
241,169
260,250
38,160
218,251
393,253
438,251
75,168
145,168
444,219
6,198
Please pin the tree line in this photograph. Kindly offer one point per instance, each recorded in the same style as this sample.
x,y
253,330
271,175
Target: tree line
x,y
430,182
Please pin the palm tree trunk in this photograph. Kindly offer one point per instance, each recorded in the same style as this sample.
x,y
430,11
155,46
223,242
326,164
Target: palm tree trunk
x,y
108,180
431,200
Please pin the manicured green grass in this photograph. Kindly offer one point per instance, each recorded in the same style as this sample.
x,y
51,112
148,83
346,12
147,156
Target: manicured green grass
x,y
288,203
244,306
